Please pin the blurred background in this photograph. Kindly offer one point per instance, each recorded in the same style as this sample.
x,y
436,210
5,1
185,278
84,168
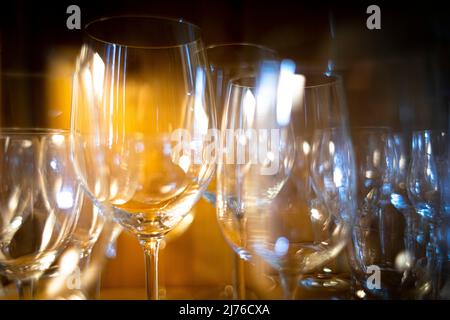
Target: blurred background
x,y
398,76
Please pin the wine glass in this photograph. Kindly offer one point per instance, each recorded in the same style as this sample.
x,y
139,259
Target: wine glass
x,y
389,258
40,198
265,199
141,121
230,61
378,231
325,135
426,183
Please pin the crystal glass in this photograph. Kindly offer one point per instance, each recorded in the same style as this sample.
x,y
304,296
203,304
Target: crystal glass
x,y
141,120
392,241
426,188
40,197
274,167
376,235
231,61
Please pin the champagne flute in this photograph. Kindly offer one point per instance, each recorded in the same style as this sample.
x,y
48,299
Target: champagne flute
x,y
141,120
40,197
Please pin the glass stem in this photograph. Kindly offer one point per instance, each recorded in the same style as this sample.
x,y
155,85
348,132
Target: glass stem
x,y
289,285
98,285
26,289
239,277
151,249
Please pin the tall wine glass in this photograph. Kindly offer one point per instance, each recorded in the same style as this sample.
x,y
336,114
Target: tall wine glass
x,y
325,132
378,231
266,192
141,119
399,197
230,61
40,200
426,181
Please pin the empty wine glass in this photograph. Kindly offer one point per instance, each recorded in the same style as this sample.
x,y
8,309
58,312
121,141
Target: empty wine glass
x,y
265,199
426,183
378,232
231,61
40,199
389,258
325,142
141,120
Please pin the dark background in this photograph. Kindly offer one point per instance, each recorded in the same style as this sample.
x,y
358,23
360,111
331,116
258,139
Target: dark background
x,y
397,76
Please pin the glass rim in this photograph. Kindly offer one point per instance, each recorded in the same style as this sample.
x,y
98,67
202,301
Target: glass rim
x,y
33,131
149,17
326,80
240,44
235,82
333,79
